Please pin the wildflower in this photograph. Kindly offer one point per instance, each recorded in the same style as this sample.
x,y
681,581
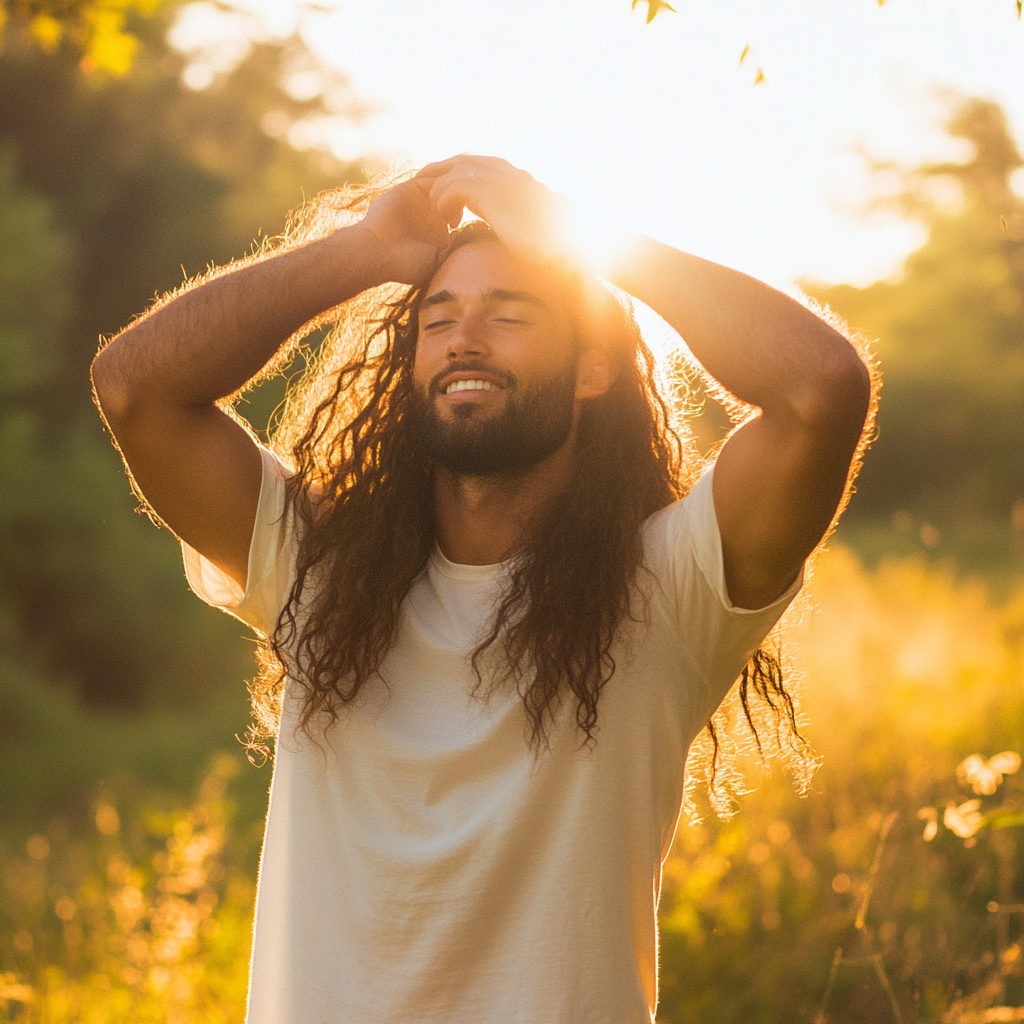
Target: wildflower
x,y
931,816
964,820
984,776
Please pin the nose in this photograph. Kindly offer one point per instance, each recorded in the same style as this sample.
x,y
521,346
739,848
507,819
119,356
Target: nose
x,y
467,338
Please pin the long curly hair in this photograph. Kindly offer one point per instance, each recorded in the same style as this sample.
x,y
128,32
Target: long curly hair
x,y
363,497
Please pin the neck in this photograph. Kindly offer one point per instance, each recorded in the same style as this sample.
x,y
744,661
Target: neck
x,y
483,519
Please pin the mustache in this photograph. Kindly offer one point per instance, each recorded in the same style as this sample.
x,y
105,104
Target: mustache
x,y
506,378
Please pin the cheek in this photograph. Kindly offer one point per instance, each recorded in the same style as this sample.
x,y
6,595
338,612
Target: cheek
x,y
424,362
552,356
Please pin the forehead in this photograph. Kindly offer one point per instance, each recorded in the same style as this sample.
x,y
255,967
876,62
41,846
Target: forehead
x,y
476,269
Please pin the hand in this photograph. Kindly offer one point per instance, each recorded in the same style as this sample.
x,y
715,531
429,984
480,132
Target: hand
x,y
407,231
529,218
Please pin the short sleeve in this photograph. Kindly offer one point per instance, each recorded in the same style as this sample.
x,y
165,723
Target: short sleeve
x,y
684,550
271,558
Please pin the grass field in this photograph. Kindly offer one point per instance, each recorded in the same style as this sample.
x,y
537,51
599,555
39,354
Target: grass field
x,y
892,891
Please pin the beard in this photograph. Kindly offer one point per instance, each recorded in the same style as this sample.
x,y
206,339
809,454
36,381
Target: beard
x,y
535,422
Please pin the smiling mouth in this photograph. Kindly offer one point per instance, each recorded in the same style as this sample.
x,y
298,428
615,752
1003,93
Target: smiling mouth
x,y
471,385
470,377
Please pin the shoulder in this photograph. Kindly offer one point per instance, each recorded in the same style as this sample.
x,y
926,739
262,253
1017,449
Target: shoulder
x,y
683,551
681,525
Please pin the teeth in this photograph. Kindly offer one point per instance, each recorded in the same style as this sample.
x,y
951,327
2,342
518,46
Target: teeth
x,y
469,385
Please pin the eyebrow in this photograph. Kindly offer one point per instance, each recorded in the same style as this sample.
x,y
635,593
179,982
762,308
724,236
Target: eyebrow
x,y
494,295
503,295
437,299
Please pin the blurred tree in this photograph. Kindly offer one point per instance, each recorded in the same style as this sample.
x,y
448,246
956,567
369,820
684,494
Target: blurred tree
x,y
70,611
65,536
950,332
98,29
151,177
110,188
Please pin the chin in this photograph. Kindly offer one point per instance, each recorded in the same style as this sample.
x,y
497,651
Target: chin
x,y
465,411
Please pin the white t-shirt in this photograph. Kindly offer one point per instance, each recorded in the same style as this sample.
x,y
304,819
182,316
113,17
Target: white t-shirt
x,y
423,863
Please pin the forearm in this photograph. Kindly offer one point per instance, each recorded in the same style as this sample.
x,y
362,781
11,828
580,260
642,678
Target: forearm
x,y
761,345
207,342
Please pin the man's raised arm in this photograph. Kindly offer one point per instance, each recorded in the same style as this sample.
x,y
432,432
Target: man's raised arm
x,y
780,478
158,381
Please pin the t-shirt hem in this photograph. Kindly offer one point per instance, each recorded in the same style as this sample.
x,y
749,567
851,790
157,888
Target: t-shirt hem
x,y
219,589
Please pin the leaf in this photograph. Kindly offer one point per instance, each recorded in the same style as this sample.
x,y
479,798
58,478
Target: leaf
x,y
746,50
759,78
110,48
654,8
46,31
1005,819
97,28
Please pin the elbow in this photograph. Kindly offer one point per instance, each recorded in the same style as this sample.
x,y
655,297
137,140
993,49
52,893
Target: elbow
x,y
839,396
110,391
849,387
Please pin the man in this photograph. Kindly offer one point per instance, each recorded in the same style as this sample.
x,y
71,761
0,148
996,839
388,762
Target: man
x,y
496,628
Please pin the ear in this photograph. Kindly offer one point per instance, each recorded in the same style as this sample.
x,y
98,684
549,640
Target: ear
x,y
595,373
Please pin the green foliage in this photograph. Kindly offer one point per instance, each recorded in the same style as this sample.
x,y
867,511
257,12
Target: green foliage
x,y
950,333
150,178
108,189
97,30
33,252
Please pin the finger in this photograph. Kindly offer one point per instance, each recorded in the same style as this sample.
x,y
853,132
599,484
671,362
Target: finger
x,y
443,191
468,176
491,162
449,197
466,160
429,173
438,167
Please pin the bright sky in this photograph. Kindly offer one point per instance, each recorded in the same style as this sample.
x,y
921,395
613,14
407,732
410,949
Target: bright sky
x,y
663,126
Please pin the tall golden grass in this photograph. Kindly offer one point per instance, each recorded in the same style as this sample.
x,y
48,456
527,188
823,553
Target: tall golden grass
x,y
894,891
141,919
872,899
